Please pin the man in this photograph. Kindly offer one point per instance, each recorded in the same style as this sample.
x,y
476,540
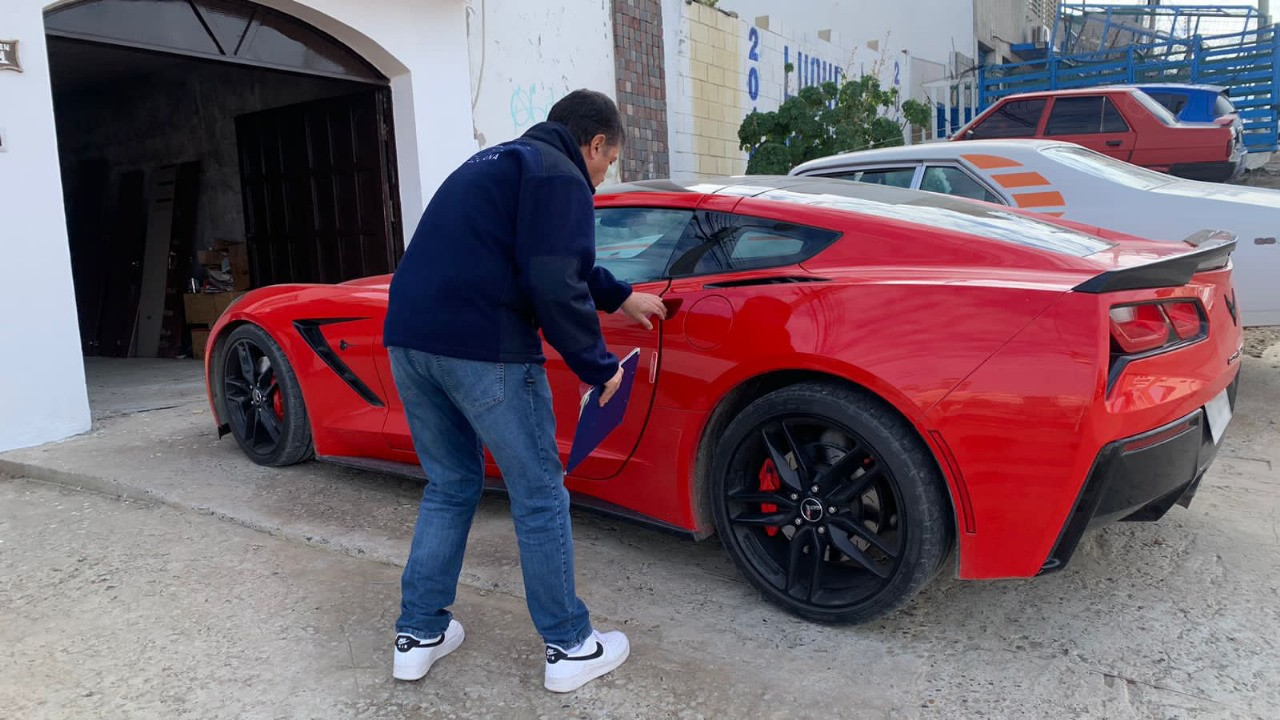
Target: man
x,y
506,246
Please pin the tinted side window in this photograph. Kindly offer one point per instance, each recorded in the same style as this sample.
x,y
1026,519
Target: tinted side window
x,y
635,243
1083,116
1112,120
954,181
1172,101
1222,106
897,177
720,242
1018,118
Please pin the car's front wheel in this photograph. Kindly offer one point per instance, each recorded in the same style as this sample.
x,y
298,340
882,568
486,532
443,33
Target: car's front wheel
x,y
258,395
829,503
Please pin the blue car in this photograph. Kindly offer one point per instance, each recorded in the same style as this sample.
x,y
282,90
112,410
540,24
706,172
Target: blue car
x,y
1192,103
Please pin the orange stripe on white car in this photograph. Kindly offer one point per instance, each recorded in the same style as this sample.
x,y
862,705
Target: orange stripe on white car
x,y
1039,194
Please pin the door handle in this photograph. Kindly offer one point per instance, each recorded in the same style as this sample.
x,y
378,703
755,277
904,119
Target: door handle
x,y
672,305
1114,143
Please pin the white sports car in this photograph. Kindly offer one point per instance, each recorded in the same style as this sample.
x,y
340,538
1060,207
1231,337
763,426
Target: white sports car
x,y
1078,184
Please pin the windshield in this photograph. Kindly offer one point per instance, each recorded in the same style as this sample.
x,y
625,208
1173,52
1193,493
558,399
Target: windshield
x,y
1161,112
1105,167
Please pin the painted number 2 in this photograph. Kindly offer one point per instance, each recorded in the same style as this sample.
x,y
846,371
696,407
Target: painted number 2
x,y
753,74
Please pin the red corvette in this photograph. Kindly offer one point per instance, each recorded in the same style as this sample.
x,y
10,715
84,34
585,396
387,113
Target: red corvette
x,y
854,380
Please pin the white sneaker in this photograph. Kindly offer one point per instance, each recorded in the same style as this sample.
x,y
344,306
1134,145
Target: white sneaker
x,y
415,656
568,670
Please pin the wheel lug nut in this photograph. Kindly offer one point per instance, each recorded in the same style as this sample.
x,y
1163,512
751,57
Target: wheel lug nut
x,y
813,489
795,496
822,531
832,510
798,521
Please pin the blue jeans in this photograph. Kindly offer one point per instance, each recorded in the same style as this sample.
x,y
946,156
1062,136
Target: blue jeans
x,y
456,408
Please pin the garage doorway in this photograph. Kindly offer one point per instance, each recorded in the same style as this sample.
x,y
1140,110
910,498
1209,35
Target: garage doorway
x,y
214,145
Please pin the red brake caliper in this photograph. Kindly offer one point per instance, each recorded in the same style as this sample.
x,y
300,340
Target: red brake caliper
x,y
769,481
277,404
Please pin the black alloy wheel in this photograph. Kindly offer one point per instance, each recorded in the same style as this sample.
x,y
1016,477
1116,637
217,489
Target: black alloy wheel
x,y
259,397
829,503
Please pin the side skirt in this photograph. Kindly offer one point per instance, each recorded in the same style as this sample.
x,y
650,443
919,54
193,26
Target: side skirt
x,y
494,485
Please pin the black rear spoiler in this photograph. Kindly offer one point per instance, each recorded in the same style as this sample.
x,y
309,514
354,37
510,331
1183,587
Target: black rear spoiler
x,y
1214,248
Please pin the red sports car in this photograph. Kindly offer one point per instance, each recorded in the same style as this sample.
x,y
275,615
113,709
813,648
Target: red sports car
x,y
853,380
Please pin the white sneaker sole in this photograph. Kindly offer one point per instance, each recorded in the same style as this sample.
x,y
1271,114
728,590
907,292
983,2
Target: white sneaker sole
x,y
449,645
569,683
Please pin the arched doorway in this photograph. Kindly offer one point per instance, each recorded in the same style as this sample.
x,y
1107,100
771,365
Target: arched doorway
x,y
215,145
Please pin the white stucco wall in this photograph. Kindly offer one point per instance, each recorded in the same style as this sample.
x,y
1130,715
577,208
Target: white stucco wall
x,y
525,56
42,388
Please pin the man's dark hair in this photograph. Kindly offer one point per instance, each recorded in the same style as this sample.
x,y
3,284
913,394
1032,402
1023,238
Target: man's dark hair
x,y
588,113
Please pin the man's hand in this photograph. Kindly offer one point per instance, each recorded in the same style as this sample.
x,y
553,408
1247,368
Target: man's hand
x,y
611,387
639,306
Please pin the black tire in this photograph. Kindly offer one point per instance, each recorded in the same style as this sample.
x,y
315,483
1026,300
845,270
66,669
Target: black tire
x,y
892,527
257,394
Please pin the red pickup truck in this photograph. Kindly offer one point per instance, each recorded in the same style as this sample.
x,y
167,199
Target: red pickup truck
x,y
1122,122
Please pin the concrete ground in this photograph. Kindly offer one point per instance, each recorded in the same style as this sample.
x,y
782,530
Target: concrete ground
x,y
150,570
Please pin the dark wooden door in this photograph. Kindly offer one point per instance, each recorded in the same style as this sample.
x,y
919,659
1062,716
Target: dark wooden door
x,y
122,267
319,197
182,234
89,237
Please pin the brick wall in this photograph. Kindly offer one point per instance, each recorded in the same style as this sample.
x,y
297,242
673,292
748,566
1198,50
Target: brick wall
x,y
642,88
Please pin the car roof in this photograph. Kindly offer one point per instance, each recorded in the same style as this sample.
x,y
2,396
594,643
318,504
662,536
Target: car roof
x,y
784,188
1215,89
917,207
1071,91
941,150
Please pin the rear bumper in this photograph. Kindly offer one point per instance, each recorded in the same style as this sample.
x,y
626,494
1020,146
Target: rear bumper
x,y
1139,478
1208,171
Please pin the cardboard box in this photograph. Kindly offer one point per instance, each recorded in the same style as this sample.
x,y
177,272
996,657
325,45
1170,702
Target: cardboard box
x,y
201,308
206,308
199,342
211,258
239,257
223,300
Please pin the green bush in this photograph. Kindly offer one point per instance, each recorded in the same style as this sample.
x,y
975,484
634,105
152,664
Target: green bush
x,y
824,120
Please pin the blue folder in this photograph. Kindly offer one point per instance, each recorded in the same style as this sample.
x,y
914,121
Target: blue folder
x,y
595,422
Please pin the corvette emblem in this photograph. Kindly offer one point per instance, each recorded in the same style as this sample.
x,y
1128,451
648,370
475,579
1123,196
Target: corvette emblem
x,y
811,510
1231,307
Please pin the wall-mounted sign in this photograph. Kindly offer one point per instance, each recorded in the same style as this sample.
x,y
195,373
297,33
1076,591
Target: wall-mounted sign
x,y
9,55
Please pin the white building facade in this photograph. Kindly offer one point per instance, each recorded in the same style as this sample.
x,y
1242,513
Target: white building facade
x,y
134,135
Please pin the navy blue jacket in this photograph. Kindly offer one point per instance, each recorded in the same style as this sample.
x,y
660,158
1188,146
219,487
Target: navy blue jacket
x,y
505,247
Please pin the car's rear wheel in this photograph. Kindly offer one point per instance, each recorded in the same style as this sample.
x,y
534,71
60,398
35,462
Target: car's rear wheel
x,y
258,395
829,503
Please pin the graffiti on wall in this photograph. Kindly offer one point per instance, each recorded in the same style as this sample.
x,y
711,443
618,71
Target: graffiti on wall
x,y
530,105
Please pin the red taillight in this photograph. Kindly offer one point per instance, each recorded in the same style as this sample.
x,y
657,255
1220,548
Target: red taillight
x,y
1150,326
1185,316
1138,328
